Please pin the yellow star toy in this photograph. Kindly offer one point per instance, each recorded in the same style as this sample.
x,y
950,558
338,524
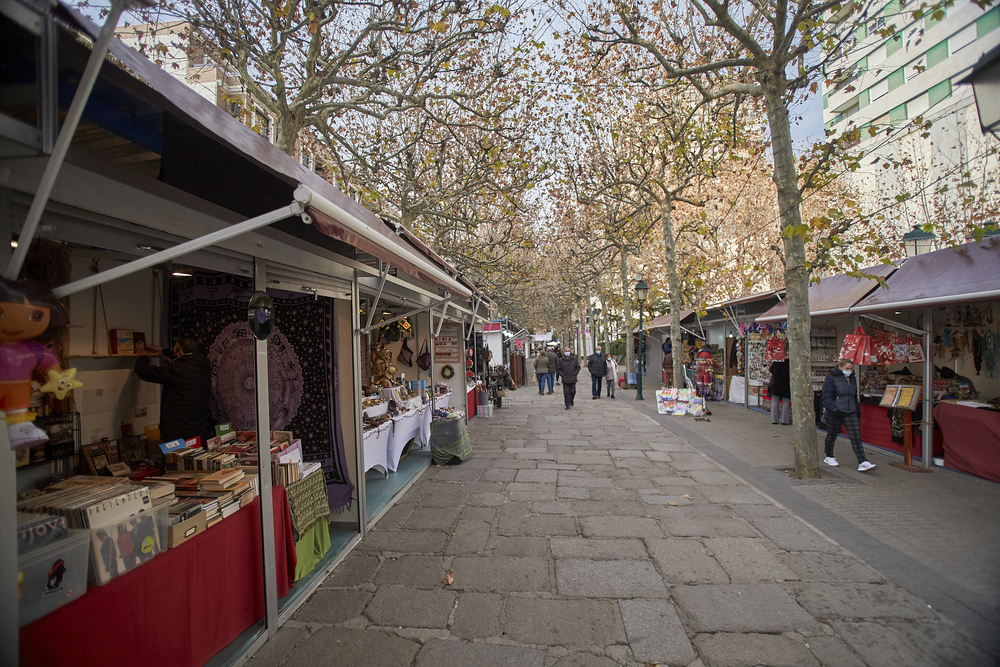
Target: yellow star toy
x,y
59,383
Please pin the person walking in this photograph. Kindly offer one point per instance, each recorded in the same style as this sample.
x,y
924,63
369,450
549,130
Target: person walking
x,y
598,367
840,398
612,375
553,358
542,372
569,368
780,389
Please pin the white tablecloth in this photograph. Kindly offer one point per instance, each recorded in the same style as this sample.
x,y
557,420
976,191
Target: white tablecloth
x,y
426,414
377,447
443,401
376,410
404,428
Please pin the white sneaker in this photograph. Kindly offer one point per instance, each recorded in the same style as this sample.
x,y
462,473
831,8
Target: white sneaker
x,y
830,461
26,434
866,466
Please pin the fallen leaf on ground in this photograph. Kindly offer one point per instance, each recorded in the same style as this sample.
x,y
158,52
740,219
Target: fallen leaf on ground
x,y
618,458
687,496
672,504
652,664
449,578
609,476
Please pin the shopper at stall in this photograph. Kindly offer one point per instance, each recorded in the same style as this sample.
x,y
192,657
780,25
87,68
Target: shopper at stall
x,y
553,357
186,376
598,367
840,398
612,375
668,363
542,373
569,367
780,389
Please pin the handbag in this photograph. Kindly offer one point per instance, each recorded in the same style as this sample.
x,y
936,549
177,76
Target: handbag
x,y
405,355
775,350
884,353
857,347
406,331
901,351
914,351
424,358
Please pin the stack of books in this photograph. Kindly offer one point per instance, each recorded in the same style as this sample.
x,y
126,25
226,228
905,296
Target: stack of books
x,y
161,491
200,460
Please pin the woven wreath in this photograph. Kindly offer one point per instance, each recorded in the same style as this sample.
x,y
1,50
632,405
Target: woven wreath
x,y
447,372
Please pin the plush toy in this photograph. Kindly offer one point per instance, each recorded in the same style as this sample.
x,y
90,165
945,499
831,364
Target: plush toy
x,y
28,309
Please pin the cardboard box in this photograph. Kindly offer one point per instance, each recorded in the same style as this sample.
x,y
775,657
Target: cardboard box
x,y
185,530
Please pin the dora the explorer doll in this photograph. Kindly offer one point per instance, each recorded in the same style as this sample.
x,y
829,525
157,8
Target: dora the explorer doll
x,y
27,310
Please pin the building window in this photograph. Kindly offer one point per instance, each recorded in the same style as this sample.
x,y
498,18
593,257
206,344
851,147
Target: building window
x,y
262,124
306,160
958,42
937,54
878,90
915,68
876,57
939,92
234,109
918,106
988,22
898,115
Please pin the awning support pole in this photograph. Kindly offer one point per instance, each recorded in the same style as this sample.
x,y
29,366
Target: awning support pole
x,y
408,313
441,321
927,435
69,126
381,286
290,211
472,323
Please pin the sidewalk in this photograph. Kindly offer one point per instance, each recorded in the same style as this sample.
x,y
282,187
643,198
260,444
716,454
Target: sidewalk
x,y
598,537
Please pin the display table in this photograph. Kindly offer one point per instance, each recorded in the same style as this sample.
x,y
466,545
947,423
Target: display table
x,y
377,447
426,415
443,401
405,427
181,608
449,439
971,439
876,428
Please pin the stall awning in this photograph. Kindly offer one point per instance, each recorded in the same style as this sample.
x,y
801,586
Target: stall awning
x,y
833,295
970,272
663,321
752,298
344,219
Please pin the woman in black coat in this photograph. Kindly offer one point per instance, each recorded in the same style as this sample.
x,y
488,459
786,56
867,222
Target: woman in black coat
x,y
840,398
780,390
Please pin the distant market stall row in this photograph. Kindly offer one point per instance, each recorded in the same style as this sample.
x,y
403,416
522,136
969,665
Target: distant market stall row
x,y
342,350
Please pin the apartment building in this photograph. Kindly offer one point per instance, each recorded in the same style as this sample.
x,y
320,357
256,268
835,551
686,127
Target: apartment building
x,y
887,83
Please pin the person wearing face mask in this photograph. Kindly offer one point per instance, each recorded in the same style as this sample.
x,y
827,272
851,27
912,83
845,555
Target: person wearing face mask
x,y
598,367
569,367
840,398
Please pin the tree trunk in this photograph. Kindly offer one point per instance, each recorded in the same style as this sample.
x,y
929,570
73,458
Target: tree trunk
x,y
673,284
627,307
796,282
607,333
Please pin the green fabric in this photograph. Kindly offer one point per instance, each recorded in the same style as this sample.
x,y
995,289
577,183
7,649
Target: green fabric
x,y
312,547
449,438
988,22
308,502
938,54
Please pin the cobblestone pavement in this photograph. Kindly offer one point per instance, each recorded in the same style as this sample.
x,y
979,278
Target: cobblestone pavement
x,y
598,537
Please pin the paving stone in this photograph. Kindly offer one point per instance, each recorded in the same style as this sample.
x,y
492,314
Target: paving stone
x,y
732,495
655,632
536,476
341,646
499,475
404,541
439,518
356,569
653,498
833,652
518,546
441,494
552,507
278,647
601,494
516,464
620,526
444,653
579,459
470,538
411,607
598,549
486,500
673,480
714,478
416,571
749,650
741,608
858,600
659,456
572,623
482,514
608,579
627,453
829,567
685,561
682,526
477,615
587,482
671,446
537,456
396,515
878,644
537,525
584,660
943,644
459,473
791,534
502,574
748,560
333,606
693,464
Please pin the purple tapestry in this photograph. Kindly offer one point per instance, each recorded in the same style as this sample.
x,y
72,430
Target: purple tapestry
x,y
303,381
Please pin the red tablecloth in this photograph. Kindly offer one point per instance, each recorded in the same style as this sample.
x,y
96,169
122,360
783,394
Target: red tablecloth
x,y
971,439
470,403
876,429
181,608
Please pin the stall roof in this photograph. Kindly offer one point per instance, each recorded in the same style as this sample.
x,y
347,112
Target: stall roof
x,y
187,105
663,321
753,298
833,295
969,272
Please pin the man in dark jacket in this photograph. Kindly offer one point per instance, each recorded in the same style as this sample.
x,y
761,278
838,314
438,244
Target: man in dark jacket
x,y
553,358
598,367
186,376
840,399
569,368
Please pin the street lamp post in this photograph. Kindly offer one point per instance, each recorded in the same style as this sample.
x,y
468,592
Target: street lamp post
x,y
985,80
596,319
641,290
917,241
